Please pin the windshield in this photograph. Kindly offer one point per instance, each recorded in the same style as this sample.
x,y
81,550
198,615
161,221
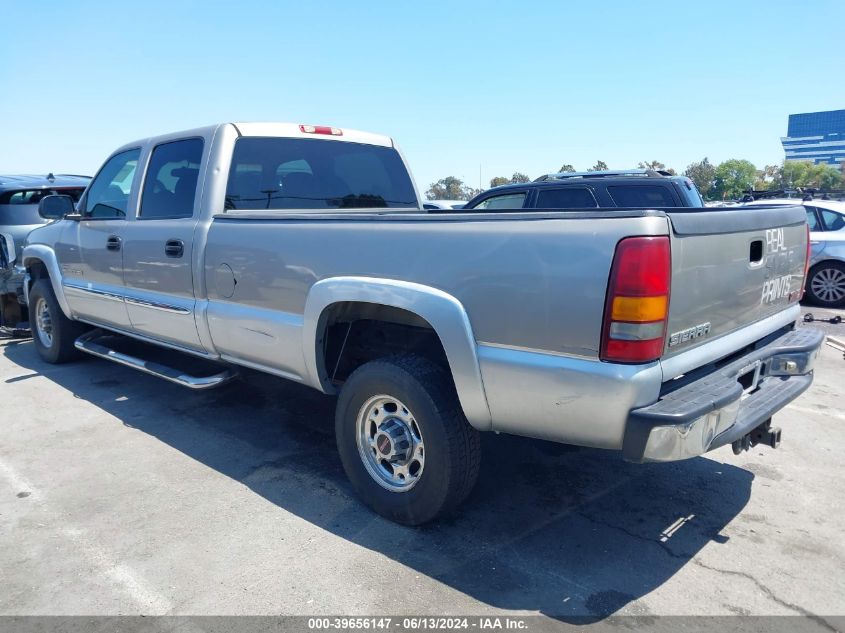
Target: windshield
x,y
292,173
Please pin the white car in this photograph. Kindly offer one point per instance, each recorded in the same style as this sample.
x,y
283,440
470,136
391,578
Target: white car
x,y
826,218
431,205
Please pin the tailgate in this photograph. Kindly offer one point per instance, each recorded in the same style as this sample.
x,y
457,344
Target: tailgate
x,y
732,267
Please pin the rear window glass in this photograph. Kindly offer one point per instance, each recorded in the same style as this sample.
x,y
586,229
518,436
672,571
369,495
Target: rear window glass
x,y
33,196
569,198
291,173
641,196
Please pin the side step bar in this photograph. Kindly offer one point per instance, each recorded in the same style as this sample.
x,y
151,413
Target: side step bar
x,y
91,343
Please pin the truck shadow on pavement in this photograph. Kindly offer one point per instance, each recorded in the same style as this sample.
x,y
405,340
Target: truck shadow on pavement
x,y
576,534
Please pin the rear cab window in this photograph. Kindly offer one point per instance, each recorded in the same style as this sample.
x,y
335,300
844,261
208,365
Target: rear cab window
x,y
294,173
635,195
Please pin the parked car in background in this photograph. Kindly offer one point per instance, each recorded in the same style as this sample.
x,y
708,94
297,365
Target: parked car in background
x,y
825,284
433,205
19,198
591,189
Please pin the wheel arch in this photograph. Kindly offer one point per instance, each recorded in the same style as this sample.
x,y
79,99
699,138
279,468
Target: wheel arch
x,y
40,260
443,312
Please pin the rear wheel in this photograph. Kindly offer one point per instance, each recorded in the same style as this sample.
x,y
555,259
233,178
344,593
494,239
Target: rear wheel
x,y
403,440
826,284
52,332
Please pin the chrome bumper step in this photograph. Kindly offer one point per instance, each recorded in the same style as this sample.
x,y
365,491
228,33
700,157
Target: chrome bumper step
x,y
96,342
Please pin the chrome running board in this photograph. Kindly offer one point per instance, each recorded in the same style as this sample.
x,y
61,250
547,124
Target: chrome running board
x,y
93,343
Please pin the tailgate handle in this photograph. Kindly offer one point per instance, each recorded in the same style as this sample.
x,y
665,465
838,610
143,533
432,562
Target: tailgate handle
x,y
755,254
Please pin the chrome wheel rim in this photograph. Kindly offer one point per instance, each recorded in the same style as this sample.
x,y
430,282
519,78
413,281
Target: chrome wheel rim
x,y
390,443
43,323
828,284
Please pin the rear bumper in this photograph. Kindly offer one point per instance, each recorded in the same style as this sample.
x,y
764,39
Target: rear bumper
x,y
696,414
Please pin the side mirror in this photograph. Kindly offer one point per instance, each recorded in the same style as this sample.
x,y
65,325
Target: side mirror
x,y
55,207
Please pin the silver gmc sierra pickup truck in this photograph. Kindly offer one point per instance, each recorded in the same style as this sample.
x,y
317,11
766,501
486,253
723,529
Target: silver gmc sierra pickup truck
x,y
303,251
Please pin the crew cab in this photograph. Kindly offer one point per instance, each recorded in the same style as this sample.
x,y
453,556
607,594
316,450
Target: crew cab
x,y
592,189
304,251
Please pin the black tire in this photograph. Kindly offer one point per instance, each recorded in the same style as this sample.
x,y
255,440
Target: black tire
x,y
452,446
57,345
829,278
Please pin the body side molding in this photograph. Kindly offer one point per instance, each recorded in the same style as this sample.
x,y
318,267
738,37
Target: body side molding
x,y
443,311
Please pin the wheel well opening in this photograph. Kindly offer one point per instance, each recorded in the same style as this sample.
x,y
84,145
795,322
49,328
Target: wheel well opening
x,y
356,333
37,270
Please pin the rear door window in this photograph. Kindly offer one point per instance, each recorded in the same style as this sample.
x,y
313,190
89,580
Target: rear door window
x,y
566,198
642,196
504,201
293,173
170,185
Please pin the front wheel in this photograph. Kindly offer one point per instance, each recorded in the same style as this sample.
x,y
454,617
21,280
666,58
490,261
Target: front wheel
x,y
404,442
52,332
826,284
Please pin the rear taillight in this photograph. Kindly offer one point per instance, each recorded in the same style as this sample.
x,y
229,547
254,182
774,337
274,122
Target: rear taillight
x,y
321,129
806,266
637,306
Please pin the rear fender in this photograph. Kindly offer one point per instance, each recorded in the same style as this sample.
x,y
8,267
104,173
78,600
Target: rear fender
x,y
443,311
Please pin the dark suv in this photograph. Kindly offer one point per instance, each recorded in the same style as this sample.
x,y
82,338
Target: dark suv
x,y
19,198
584,190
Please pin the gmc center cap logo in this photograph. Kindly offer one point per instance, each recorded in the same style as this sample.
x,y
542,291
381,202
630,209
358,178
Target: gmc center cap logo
x,y
383,444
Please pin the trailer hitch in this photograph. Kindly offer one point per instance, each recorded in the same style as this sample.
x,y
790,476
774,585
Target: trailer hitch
x,y
809,318
763,434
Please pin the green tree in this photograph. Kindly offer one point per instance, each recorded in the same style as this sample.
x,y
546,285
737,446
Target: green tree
x,y
702,173
450,188
599,166
656,165
803,173
733,177
503,180
565,168
770,177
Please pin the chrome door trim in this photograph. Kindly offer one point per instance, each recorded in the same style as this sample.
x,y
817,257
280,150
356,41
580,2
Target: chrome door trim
x,y
100,293
166,307
155,305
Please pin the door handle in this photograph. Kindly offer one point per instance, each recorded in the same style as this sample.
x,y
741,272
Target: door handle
x,y
174,248
113,243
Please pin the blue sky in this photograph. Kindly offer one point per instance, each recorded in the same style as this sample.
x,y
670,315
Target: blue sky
x,y
459,85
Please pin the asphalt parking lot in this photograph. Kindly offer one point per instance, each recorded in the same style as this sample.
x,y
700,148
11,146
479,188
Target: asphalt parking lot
x,y
124,494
